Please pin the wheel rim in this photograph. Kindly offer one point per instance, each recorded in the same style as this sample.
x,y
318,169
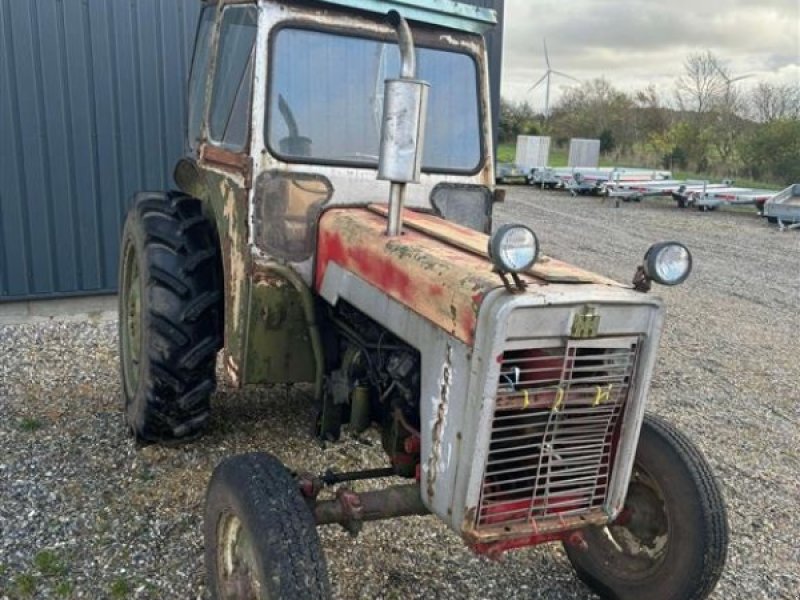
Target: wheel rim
x,y
131,330
638,540
236,562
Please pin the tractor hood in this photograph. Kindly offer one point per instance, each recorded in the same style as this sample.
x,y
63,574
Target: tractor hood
x,y
438,269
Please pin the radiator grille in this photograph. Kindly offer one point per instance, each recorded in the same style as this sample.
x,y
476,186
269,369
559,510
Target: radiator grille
x,y
556,413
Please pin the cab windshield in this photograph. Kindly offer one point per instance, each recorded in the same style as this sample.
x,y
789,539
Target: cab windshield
x,y
326,101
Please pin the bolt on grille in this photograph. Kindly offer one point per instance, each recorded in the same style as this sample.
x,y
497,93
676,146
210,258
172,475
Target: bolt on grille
x,y
556,414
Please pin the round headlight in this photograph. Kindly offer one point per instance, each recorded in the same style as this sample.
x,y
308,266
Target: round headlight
x,y
668,263
513,248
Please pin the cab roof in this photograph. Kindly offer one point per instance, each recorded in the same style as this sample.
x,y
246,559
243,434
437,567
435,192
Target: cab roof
x,y
444,13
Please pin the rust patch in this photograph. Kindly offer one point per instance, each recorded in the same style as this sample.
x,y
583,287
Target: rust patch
x,y
470,518
232,371
441,283
436,290
226,160
438,427
237,268
267,280
546,269
530,530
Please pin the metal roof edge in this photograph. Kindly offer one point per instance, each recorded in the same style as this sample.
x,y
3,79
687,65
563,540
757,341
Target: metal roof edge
x,y
445,13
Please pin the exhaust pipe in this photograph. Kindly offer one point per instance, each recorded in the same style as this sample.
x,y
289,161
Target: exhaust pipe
x,y
408,58
403,126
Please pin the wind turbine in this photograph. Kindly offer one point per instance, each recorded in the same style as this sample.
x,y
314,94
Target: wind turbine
x,y
546,79
726,78
729,81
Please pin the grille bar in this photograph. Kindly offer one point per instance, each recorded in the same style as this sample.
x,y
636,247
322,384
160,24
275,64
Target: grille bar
x,y
556,411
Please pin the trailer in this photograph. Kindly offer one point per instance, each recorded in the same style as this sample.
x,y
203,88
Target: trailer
x,y
730,196
507,173
545,177
703,195
598,181
532,153
784,208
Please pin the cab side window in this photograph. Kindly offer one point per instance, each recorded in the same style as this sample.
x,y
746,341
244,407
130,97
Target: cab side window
x,y
229,117
199,75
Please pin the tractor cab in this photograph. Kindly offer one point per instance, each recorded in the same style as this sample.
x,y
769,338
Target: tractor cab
x,y
286,111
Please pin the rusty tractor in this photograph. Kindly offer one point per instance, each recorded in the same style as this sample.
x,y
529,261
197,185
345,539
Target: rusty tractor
x,y
332,225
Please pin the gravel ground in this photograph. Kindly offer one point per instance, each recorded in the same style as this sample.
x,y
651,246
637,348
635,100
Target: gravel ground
x,y
86,513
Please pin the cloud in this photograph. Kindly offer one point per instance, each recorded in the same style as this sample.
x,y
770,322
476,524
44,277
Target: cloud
x,y
634,43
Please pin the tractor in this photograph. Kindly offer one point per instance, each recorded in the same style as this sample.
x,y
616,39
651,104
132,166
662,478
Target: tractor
x,y
332,226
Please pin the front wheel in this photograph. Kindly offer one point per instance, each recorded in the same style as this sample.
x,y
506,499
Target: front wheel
x,y
261,540
671,539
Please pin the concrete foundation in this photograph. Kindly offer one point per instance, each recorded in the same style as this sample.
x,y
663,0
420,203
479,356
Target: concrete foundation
x,y
91,308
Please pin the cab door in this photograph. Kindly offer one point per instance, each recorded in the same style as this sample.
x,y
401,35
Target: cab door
x,y
220,101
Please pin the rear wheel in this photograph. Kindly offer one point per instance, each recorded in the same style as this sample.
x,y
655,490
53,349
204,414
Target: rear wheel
x,y
261,540
671,539
170,315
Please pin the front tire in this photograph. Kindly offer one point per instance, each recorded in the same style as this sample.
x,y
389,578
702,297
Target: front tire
x,y
261,540
170,315
671,540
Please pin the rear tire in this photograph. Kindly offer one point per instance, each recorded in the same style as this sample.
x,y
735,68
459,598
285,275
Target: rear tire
x,y
674,541
170,315
261,540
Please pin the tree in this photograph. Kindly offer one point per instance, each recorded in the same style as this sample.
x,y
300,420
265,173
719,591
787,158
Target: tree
x,y
595,109
516,118
713,109
769,102
607,143
701,84
652,114
772,150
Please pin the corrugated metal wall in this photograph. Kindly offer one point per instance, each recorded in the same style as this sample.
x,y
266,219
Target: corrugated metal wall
x,y
92,109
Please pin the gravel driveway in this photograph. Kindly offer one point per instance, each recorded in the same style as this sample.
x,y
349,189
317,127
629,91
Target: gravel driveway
x,y
86,513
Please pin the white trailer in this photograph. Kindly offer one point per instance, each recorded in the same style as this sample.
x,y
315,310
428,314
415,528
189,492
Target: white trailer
x,y
584,153
784,208
533,152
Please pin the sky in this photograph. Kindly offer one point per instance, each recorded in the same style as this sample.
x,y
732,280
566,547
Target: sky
x,y
634,43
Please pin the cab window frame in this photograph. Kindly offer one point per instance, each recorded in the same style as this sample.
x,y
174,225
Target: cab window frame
x,y
248,73
388,37
196,136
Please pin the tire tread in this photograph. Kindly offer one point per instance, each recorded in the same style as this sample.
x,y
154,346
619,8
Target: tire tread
x,y
712,529
266,496
178,248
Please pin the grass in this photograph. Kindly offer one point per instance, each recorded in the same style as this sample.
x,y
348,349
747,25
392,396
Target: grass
x,y
559,157
25,585
120,588
506,152
30,424
49,564
64,589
